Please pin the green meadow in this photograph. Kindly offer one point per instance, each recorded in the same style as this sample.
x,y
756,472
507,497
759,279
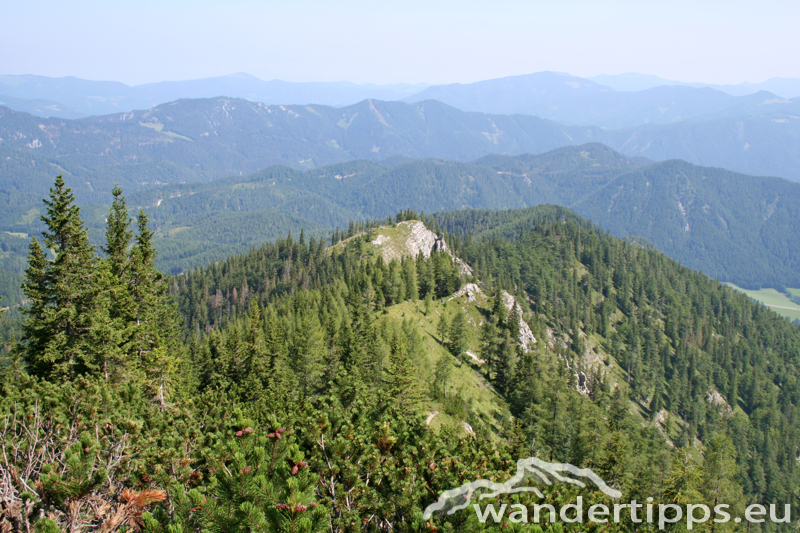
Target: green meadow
x,y
777,301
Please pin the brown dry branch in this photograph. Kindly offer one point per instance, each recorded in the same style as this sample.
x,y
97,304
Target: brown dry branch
x,y
29,442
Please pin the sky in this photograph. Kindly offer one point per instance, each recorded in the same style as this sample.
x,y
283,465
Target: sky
x,y
408,41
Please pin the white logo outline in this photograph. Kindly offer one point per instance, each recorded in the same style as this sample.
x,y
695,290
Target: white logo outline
x,y
459,498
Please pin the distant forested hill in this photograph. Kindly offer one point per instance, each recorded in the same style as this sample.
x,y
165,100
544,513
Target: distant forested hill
x,y
202,140
737,228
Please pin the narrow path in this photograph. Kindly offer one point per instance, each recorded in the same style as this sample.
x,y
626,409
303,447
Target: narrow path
x,y
782,307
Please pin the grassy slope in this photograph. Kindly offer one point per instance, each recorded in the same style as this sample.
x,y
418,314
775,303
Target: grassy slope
x,y
466,378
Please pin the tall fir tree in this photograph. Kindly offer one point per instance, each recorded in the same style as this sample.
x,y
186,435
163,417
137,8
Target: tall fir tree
x,y
114,270
118,234
155,340
61,333
458,333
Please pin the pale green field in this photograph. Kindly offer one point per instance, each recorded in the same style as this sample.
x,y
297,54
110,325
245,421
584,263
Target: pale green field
x,y
153,125
174,231
775,300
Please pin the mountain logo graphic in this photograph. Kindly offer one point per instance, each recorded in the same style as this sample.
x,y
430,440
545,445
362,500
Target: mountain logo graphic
x,y
531,468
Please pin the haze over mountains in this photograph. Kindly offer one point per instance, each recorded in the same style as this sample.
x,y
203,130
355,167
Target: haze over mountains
x,y
633,81
755,133
740,228
578,101
541,93
72,97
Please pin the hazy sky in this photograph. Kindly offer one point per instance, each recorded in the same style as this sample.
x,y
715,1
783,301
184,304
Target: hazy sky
x,y
399,41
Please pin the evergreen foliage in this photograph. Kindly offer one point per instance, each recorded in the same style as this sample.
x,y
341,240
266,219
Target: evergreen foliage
x,y
296,398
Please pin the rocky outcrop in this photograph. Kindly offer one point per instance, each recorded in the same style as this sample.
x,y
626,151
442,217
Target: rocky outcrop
x,y
411,237
470,290
526,338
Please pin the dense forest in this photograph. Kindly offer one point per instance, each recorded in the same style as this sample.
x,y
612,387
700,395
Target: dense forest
x,y
739,229
292,388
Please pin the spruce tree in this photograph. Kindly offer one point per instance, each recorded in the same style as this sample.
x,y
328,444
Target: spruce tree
x,y
114,272
154,342
505,357
458,333
60,330
399,377
118,234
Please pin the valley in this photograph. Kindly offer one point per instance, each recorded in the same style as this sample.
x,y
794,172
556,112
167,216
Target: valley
x,y
232,315
779,302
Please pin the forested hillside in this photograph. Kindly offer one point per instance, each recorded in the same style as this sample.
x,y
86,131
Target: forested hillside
x,y
205,139
730,226
193,140
733,227
740,228
338,388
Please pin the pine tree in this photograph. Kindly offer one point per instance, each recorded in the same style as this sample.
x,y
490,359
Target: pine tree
x,y
400,381
155,341
458,333
118,234
61,333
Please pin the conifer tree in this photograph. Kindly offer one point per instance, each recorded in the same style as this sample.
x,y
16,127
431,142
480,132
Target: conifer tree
x,y
60,330
458,333
505,358
443,328
720,473
489,342
401,383
307,353
114,277
155,338
444,367
118,234
499,311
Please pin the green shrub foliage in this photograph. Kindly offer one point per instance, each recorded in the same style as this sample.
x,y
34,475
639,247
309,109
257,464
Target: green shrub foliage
x,y
293,400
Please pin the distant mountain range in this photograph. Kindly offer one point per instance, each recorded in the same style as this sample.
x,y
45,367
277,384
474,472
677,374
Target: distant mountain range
x,y
205,139
607,101
633,81
71,97
581,102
